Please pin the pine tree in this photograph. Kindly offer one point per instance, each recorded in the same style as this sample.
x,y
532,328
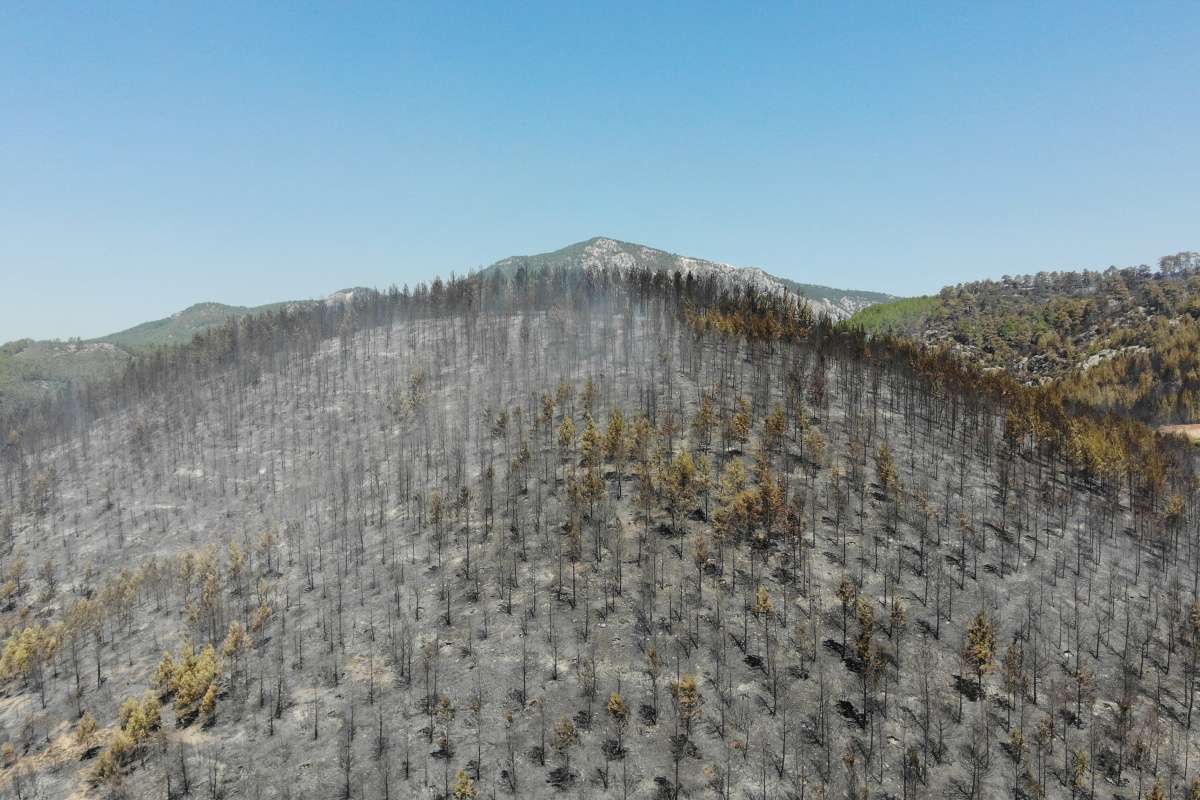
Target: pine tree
x,y
464,787
979,649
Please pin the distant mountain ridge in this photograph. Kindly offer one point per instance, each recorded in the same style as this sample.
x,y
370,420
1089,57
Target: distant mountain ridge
x,y
604,253
30,370
180,327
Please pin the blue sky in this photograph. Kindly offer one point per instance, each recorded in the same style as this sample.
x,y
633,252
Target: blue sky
x,y
156,155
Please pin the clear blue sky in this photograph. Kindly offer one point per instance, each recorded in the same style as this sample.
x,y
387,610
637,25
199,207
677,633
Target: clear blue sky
x,y
156,155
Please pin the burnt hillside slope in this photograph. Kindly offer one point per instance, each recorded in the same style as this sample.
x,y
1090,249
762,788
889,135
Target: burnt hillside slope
x,y
588,537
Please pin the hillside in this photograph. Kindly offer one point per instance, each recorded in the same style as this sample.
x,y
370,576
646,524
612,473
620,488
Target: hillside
x,y
595,540
180,327
32,371
905,316
600,253
1123,340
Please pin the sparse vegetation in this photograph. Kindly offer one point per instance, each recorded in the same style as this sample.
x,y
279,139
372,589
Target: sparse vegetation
x,y
580,533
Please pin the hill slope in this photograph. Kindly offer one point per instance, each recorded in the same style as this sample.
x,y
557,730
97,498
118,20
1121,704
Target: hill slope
x,y
33,370
610,254
180,327
1124,340
608,546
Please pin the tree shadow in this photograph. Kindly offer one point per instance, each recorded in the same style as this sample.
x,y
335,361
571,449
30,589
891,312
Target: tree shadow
x,y
851,714
967,687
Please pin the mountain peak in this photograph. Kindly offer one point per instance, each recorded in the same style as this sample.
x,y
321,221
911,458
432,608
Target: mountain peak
x,y
606,253
203,307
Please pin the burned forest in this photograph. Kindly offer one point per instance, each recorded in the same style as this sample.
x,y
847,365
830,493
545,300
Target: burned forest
x,y
589,534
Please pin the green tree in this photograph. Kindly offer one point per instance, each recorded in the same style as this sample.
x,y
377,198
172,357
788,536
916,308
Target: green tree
x,y
979,649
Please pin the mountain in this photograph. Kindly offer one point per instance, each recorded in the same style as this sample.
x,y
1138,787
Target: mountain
x,y
639,543
1125,340
610,254
180,327
31,370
